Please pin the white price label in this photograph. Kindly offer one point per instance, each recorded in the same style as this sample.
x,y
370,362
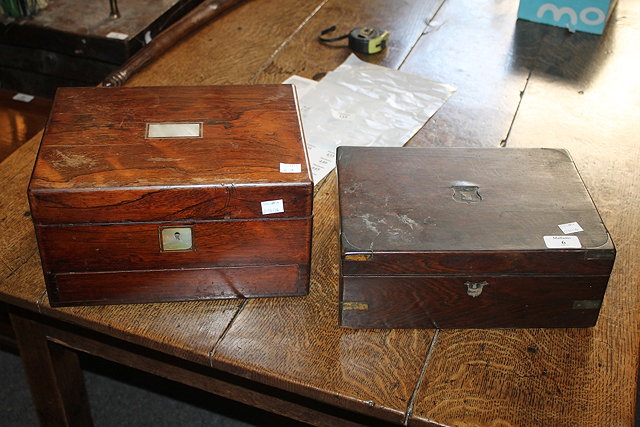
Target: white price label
x,y
562,242
322,161
23,97
118,36
290,168
272,207
570,227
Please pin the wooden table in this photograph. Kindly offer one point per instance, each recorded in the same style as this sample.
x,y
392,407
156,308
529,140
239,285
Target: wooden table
x,y
519,85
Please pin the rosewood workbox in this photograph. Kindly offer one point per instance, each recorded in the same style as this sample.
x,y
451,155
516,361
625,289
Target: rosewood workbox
x,y
468,238
173,193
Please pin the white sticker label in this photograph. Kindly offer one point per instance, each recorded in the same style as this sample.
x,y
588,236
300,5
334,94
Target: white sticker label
x,y
290,168
174,130
561,242
322,161
23,97
570,227
272,207
117,35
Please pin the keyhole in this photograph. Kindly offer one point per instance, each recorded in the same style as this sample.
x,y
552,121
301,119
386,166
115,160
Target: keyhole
x,y
176,235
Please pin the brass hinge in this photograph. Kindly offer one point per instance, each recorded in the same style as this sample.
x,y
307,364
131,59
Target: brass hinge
x,y
598,254
587,304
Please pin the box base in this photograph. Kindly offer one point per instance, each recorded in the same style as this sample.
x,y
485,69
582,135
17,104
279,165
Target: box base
x,y
129,287
474,302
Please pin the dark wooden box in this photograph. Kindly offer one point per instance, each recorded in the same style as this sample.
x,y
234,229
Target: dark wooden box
x,y
77,43
173,193
468,238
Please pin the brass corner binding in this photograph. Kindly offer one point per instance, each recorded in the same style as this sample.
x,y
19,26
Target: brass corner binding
x,y
353,305
358,257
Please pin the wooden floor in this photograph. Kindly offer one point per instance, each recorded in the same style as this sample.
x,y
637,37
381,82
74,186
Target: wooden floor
x,y
519,84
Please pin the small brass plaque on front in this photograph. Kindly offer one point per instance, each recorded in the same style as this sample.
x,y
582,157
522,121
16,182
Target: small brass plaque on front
x,y
176,239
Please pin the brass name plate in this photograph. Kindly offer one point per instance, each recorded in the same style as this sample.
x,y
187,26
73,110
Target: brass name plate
x,y
174,130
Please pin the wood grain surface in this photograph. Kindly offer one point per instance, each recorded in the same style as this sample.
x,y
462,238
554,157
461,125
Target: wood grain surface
x,y
233,50
22,284
350,361
578,92
443,302
581,96
103,187
305,56
20,121
472,46
399,204
19,253
136,246
122,287
373,372
105,135
404,199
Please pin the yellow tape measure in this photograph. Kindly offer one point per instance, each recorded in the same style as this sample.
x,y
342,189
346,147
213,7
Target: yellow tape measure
x,y
363,40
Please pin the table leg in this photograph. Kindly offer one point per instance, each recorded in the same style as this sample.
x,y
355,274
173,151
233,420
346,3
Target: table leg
x,y
54,375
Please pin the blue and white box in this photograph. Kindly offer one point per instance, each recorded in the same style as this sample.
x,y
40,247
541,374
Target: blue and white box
x,y
589,16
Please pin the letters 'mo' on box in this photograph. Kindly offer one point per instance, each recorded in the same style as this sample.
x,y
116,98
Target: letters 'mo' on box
x,y
173,193
589,16
468,238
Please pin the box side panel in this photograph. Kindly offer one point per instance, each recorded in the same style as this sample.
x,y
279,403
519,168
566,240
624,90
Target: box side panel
x,y
471,302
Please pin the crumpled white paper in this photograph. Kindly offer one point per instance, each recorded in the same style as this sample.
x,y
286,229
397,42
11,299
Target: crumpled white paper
x,y
363,104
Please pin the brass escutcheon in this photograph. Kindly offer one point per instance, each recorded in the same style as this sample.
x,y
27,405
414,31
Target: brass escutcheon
x,y
466,193
474,289
176,239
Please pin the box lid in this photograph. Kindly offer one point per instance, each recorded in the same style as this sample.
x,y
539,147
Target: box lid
x,y
467,211
170,154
